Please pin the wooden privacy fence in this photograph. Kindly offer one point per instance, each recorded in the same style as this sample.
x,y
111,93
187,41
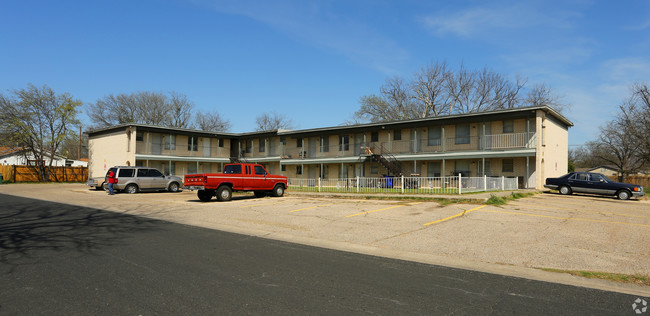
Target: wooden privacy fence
x,y
30,174
639,180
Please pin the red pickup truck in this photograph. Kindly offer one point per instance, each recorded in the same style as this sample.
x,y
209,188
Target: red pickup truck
x,y
236,177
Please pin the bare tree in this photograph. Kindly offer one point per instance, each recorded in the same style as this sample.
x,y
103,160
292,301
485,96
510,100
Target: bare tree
x,y
429,89
615,146
272,122
39,120
636,110
144,107
541,94
180,108
211,121
438,90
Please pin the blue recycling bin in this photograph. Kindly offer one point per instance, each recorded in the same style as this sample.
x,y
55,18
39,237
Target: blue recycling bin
x,y
389,181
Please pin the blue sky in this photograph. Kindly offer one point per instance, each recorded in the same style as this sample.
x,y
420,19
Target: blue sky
x,y
312,60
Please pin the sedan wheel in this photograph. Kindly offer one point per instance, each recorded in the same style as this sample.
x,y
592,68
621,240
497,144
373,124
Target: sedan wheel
x,y
565,190
623,195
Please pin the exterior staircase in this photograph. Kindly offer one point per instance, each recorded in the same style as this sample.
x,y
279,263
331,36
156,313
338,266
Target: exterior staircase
x,y
387,160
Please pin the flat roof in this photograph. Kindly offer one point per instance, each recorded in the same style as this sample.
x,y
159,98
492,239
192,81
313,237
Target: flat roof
x,y
333,129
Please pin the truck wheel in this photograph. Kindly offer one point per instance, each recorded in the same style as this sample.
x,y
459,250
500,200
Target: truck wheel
x,y
204,195
565,190
278,191
224,193
173,187
260,194
623,194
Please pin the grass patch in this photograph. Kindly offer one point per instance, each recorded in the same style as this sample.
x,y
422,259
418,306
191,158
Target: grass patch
x,y
616,277
502,200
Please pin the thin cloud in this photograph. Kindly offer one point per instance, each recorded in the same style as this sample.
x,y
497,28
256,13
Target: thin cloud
x,y
320,25
479,21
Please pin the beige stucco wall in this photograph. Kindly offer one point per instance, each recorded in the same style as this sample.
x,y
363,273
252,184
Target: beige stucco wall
x,y
115,149
552,146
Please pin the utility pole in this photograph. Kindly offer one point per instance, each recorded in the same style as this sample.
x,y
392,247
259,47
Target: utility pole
x,y
79,149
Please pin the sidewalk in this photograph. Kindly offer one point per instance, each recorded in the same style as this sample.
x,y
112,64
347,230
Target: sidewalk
x,y
469,197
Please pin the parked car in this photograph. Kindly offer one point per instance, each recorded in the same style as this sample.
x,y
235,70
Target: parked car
x,y
96,182
132,179
594,183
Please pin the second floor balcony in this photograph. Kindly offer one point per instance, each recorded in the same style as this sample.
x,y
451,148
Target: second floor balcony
x,y
423,146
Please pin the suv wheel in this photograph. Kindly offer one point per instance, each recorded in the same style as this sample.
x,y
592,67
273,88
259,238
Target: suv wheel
x,y
173,187
131,188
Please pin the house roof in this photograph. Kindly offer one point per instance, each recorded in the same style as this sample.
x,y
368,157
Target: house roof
x,y
7,151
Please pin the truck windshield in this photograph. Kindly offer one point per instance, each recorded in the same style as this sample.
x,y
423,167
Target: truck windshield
x,y
232,169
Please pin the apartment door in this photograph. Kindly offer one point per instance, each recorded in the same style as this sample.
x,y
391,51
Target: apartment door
x,y
156,144
479,168
486,136
207,148
358,141
415,142
312,148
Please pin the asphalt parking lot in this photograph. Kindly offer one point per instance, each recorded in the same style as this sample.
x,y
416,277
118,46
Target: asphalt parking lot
x,y
547,230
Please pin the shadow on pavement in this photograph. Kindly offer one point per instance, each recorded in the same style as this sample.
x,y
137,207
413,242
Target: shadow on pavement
x,y
35,231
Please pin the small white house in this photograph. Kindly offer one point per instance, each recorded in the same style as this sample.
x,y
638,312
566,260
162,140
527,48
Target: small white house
x,y
10,156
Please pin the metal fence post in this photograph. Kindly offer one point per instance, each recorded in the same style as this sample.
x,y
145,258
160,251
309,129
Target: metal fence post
x,y
318,184
357,184
503,183
402,183
460,184
485,183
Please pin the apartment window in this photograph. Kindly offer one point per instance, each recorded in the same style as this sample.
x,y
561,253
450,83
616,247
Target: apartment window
x,y
397,134
192,143
462,167
298,170
344,142
433,169
221,142
508,126
374,136
435,136
170,142
192,168
139,136
284,168
248,146
299,142
462,134
262,145
325,144
374,168
508,165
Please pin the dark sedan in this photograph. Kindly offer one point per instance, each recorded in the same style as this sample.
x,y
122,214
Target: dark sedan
x,y
594,183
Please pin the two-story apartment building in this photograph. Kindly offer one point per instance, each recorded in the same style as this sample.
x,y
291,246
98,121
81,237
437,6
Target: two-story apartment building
x,y
530,143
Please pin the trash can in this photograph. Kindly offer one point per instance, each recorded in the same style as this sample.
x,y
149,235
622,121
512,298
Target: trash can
x,y
389,181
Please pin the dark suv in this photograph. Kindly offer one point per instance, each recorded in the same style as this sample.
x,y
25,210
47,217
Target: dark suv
x,y
595,183
134,179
